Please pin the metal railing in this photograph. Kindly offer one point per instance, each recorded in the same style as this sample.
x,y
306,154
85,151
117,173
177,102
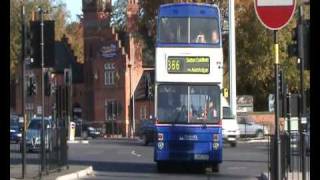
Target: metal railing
x,y
291,156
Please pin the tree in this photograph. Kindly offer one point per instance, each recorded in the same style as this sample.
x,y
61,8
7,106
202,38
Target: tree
x,y
255,56
15,37
60,15
74,32
118,15
56,12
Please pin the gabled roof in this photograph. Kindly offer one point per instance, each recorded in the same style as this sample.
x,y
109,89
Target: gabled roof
x,y
64,58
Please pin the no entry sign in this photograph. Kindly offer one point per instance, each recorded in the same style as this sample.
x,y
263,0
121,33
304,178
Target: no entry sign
x,y
274,14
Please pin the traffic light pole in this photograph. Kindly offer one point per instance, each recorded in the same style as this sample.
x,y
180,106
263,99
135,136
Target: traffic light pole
x,y
301,97
42,94
277,125
23,50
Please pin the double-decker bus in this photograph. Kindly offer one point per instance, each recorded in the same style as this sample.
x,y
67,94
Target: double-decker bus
x,y
188,83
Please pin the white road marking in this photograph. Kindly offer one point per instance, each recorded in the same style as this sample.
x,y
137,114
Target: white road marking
x,y
135,154
236,168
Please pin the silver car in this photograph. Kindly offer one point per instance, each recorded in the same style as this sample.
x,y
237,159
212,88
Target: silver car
x,y
33,134
249,128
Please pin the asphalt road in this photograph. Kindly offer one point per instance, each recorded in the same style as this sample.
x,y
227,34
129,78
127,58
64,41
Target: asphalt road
x,y
131,160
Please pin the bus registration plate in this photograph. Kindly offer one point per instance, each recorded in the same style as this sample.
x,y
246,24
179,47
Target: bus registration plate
x,y
201,157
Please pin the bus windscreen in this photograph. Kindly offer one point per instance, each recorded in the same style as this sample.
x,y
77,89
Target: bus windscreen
x,y
188,104
188,30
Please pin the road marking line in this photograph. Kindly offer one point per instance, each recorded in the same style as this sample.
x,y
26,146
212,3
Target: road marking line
x,y
135,154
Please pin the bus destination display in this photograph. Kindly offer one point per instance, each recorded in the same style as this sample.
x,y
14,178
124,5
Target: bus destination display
x,y
188,64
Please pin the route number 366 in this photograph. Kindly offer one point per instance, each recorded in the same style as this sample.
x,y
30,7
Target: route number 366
x,y
173,65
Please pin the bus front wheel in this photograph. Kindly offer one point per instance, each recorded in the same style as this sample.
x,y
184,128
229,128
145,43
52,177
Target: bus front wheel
x,y
215,168
161,166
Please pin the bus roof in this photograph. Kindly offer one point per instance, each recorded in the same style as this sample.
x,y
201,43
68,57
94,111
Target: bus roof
x,y
188,9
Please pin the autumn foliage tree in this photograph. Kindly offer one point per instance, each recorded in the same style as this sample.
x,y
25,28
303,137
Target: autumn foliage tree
x,y
56,11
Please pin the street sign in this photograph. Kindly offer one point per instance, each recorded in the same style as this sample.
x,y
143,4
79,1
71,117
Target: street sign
x,y
271,102
274,14
39,110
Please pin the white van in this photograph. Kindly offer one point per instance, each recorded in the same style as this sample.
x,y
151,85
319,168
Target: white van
x,y
230,127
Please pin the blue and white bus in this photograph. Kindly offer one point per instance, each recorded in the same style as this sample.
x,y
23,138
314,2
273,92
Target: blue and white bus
x,y
188,83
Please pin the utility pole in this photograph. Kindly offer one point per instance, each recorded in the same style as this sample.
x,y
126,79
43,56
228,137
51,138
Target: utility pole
x,y
232,60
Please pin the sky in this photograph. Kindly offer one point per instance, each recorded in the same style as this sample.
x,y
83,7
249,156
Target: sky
x,y
75,7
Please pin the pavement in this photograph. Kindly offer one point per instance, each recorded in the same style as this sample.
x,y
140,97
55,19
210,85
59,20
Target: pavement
x,y
78,140
136,139
290,175
65,173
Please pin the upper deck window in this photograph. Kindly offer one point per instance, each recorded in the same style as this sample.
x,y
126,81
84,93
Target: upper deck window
x,y
188,30
173,30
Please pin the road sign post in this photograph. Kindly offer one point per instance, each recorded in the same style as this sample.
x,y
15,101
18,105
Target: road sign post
x,y
274,15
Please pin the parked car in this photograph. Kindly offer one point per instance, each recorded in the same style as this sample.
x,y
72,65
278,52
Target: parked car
x,y
146,131
33,134
230,127
15,131
248,128
89,131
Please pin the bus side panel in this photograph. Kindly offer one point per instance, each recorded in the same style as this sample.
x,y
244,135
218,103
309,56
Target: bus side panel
x,y
189,144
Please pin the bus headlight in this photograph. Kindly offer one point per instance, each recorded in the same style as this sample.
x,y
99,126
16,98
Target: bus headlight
x,y
160,145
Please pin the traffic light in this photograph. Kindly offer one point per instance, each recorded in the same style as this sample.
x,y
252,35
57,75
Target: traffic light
x,y
47,84
225,92
67,77
31,87
300,40
281,85
301,43
293,47
306,44
34,87
150,91
34,36
29,47
146,88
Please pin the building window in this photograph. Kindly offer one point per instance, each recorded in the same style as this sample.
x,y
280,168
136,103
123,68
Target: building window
x,y
112,109
143,112
109,74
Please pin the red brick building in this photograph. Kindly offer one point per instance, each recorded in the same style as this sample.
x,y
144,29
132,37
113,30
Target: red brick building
x,y
112,69
111,76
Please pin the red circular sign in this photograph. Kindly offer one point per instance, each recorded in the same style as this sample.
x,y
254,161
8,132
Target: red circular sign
x,y
274,14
